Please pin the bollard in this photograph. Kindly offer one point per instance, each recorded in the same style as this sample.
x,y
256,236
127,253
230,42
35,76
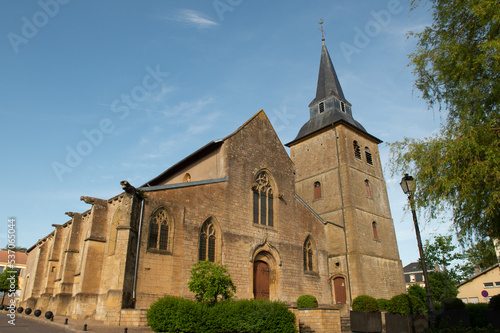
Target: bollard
x,y
85,328
52,318
66,321
125,330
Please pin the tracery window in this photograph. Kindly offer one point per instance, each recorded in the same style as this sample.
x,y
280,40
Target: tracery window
x,y
308,255
158,230
357,150
263,205
207,242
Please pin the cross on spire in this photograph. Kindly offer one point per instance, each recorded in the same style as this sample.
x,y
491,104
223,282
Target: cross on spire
x,y
321,29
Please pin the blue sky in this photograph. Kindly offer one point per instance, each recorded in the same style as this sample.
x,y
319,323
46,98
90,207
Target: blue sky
x,y
95,92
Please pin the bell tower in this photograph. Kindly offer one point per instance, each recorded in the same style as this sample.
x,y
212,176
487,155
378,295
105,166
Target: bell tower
x,y
339,175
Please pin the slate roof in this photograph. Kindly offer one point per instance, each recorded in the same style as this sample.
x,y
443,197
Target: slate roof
x,y
327,90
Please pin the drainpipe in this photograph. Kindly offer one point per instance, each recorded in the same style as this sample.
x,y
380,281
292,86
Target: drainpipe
x,y
343,217
132,190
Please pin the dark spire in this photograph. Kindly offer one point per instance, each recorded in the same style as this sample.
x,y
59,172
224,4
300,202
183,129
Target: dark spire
x,y
328,82
329,107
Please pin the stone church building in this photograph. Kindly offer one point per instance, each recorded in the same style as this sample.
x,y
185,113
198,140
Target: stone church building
x,y
316,222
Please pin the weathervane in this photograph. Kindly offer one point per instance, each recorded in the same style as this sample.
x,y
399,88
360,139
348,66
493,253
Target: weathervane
x,y
321,29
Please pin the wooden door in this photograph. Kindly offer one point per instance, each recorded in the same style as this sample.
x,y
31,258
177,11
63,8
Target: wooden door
x,y
339,288
260,280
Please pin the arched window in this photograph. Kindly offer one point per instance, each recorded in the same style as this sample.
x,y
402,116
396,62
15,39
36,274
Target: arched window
x,y
308,255
317,190
368,189
368,155
263,205
375,231
357,150
158,230
207,242
187,178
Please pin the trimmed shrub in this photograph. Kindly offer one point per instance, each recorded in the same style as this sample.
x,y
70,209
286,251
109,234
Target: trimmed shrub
x,y
383,304
307,301
175,314
405,304
419,292
477,314
365,303
494,303
453,304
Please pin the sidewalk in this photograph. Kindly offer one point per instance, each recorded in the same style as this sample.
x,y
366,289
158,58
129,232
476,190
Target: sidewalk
x,y
76,325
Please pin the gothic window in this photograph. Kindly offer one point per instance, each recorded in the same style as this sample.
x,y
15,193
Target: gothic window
x,y
263,210
187,178
369,159
368,189
207,242
158,230
375,231
308,255
317,190
357,150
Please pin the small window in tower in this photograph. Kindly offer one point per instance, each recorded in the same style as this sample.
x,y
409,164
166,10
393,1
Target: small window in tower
x,y
369,159
321,107
317,190
187,178
342,106
357,150
375,231
368,189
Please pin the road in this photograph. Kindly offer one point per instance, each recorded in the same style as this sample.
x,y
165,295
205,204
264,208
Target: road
x,y
23,324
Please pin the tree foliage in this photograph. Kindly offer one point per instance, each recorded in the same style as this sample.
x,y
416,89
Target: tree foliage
x,y
457,68
8,281
211,282
481,255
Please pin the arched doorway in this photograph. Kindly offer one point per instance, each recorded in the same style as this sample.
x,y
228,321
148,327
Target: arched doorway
x,y
339,290
260,280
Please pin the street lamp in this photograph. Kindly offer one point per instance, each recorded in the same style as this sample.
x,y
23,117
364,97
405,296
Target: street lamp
x,y
408,186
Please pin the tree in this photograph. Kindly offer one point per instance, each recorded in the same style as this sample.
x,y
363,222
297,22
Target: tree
x,y
8,281
418,292
210,282
15,249
481,255
442,286
457,68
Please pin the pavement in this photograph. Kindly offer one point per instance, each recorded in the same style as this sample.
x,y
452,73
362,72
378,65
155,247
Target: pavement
x,y
77,325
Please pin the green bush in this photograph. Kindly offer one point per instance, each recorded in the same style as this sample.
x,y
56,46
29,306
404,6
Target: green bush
x,y
477,314
174,314
405,304
365,303
307,301
211,282
383,304
453,304
419,292
494,302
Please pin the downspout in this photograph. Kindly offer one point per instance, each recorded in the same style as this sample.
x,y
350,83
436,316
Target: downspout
x,y
343,216
132,190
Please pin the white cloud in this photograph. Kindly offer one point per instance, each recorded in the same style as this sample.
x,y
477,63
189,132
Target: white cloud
x,y
194,18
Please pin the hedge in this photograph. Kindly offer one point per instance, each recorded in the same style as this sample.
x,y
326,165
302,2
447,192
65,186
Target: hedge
x,y
175,314
405,304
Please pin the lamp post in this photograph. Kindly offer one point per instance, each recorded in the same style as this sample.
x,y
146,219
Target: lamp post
x,y
408,186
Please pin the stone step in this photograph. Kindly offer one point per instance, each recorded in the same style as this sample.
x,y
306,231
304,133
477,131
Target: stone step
x,y
345,324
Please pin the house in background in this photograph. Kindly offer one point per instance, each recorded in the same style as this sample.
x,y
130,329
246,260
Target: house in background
x,y
480,287
19,266
414,274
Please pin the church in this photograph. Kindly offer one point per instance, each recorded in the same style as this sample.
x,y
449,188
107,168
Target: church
x,y
314,222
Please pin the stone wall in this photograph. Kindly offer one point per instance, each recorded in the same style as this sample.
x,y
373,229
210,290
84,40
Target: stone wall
x,y
318,320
